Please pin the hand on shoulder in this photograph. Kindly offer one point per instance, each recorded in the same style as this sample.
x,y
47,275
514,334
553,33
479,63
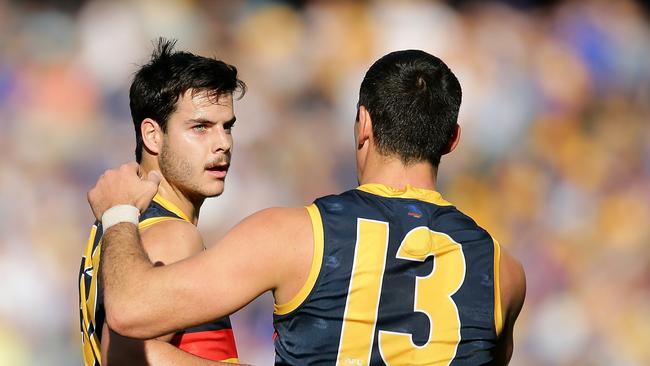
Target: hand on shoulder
x,y
123,186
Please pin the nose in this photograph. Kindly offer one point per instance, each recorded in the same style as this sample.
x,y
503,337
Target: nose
x,y
222,141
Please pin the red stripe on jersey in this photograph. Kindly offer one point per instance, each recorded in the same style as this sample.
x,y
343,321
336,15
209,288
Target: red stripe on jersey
x,y
216,345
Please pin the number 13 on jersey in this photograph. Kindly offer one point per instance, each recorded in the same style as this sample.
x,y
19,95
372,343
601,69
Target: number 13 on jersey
x,y
432,295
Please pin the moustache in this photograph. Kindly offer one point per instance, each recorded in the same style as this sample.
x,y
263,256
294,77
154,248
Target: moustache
x,y
222,161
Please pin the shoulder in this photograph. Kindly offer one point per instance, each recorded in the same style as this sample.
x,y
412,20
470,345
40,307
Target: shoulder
x,y
281,240
274,229
345,196
171,240
276,221
512,281
291,245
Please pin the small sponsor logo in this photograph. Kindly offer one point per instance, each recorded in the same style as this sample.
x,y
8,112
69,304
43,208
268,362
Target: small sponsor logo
x,y
416,215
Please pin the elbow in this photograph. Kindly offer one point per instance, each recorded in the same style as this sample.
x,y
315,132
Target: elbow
x,y
124,319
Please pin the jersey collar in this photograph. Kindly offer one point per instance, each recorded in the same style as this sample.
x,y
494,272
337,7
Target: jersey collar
x,y
170,206
409,191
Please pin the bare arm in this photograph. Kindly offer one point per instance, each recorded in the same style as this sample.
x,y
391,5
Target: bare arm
x,y
513,292
270,250
120,350
163,354
166,242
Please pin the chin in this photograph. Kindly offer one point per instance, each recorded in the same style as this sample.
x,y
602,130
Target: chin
x,y
214,191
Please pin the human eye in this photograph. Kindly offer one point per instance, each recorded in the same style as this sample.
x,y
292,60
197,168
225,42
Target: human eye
x,y
200,128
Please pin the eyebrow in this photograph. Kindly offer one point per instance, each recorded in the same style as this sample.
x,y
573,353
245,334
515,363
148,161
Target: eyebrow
x,y
207,121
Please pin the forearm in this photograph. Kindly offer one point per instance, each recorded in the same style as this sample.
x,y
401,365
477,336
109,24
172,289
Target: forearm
x,y
124,264
119,350
161,353
143,301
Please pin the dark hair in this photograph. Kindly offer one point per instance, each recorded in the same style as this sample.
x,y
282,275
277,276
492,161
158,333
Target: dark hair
x,y
413,100
158,84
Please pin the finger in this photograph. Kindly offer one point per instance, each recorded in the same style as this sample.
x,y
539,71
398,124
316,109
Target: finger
x,y
91,200
154,177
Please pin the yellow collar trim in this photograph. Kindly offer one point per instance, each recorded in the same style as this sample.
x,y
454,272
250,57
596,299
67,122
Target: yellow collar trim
x,y
421,194
171,207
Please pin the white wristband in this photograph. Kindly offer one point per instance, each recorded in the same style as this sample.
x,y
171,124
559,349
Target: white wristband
x,y
120,213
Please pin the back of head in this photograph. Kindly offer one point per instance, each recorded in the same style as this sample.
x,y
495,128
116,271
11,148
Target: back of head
x,y
413,100
168,75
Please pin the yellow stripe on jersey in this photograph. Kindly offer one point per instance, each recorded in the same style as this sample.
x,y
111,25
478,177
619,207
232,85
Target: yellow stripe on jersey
x,y
230,360
154,220
90,337
498,316
91,348
362,304
170,206
316,262
421,194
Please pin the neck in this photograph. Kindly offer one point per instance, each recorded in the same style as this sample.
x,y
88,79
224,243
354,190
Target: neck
x,y
189,206
394,173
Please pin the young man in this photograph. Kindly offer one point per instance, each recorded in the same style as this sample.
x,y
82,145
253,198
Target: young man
x,y
387,273
182,109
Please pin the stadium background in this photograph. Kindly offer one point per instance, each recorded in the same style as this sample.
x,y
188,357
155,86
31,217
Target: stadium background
x,y
554,159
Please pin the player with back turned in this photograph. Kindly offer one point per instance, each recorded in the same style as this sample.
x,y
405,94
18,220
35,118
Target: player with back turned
x,y
388,273
182,109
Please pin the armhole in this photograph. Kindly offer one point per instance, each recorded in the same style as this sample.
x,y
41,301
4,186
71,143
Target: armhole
x,y
498,314
317,260
154,220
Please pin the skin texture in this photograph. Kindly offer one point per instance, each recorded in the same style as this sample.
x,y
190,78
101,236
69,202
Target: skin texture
x,y
280,238
198,139
198,136
161,243
513,293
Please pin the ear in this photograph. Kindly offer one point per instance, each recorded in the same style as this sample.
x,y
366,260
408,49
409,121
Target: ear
x,y
453,142
363,127
152,135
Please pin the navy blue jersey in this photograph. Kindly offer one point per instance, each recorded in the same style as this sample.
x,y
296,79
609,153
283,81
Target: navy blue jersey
x,y
398,278
213,341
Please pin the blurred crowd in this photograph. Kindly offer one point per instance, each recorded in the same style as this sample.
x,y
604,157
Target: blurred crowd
x,y
554,158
